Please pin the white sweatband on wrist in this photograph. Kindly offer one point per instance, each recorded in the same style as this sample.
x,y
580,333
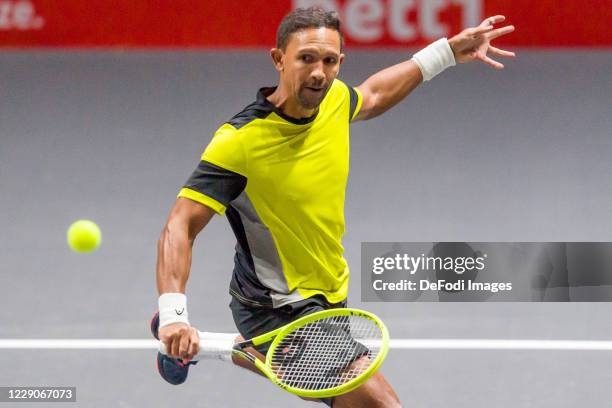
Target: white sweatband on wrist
x,y
172,309
434,58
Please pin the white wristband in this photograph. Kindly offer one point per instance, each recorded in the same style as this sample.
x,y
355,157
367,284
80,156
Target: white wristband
x,y
172,309
434,58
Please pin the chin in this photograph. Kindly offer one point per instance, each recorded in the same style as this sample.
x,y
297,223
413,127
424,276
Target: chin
x,y
310,103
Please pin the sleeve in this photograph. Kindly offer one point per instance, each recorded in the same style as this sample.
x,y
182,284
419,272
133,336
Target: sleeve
x,y
355,102
220,176
352,96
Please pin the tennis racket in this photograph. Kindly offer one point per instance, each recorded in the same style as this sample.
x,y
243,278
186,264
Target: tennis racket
x,y
320,355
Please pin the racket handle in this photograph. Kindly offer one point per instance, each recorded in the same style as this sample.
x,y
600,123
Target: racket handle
x,y
213,346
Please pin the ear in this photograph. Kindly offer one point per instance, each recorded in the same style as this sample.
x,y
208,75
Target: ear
x,y
341,59
277,58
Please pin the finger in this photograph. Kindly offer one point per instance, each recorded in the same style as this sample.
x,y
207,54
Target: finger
x,y
194,347
490,62
194,341
500,31
173,346
481,30
500,53
493,20
184,345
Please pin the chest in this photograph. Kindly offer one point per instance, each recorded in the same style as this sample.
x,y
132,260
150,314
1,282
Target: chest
x,y
308,167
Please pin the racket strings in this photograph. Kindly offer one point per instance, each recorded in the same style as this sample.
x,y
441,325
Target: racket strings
x,y
326,353
325,366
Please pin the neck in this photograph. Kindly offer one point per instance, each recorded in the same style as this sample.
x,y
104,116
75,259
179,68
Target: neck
x,y
282,99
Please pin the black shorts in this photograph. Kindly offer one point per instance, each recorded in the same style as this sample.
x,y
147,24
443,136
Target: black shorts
x,y
253,321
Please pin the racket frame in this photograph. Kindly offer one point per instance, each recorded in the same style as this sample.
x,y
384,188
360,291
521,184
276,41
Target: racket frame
x,y
277,335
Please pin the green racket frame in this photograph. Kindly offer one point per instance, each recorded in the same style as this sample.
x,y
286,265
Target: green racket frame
x,y
278,334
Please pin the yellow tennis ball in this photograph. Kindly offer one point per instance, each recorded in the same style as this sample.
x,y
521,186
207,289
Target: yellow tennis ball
x,y
84,236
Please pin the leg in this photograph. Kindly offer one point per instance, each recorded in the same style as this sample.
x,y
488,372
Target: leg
x,y
241,362
374,393
252,322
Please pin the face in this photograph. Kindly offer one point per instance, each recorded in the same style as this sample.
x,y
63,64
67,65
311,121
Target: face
x,y
309,64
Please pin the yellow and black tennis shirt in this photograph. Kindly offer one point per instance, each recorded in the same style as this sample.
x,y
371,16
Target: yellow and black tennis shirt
x,y
281,182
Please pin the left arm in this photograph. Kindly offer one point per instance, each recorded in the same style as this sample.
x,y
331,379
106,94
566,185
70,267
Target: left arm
x,y
388,87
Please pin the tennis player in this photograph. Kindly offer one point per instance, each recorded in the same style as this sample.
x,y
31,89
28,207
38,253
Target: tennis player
x,y
278,171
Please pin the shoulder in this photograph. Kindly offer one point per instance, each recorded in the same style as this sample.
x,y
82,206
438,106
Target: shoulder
x,y
258,109
338,89
343,92
346,95
226,149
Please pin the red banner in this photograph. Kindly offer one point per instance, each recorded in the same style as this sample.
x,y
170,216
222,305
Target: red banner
x,y
232,23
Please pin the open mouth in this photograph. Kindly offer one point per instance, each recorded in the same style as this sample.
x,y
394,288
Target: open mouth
x,y
313,89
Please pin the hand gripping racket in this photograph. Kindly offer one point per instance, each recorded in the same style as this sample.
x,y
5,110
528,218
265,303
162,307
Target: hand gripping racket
x,y
320,355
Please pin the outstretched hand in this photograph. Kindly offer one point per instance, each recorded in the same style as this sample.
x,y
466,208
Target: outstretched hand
x,y
475,43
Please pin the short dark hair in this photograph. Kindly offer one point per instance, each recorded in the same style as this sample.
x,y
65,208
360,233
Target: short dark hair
x,y
302,18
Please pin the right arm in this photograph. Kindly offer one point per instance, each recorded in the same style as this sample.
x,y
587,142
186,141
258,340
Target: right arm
x,y
186,220
209,190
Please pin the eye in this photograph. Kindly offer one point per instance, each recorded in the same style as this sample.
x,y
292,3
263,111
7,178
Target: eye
x,y
331,60
306,58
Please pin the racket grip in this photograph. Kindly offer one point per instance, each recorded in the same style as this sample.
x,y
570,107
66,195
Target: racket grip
x,y
216,346
213,346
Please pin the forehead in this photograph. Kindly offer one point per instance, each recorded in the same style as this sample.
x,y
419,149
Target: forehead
x,y
323,38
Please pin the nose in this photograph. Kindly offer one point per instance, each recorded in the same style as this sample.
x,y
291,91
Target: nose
x,y
317,73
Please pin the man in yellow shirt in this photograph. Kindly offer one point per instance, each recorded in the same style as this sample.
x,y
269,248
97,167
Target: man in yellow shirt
x,y
278,171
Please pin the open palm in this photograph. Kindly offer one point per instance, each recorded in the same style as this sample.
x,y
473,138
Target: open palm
x,y
475,43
